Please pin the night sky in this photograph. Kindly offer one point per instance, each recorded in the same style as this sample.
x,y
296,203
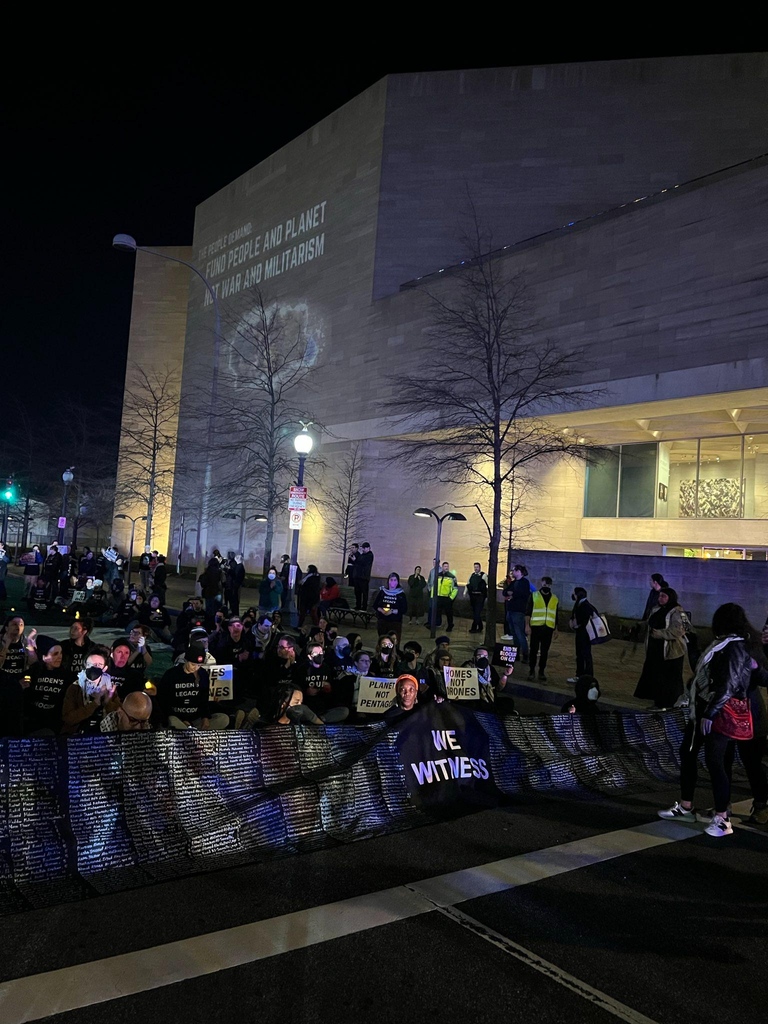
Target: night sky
x,y
111,144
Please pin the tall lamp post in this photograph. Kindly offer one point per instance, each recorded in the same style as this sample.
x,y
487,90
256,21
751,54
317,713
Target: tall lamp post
x,y
425,513
126,243
67,477
138,519
259,517
303,445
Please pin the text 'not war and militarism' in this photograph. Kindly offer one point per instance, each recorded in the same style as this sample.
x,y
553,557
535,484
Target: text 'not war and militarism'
x,y
243,258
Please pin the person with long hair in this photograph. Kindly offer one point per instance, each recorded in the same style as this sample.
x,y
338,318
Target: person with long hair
x,y
384,659
390,605
732,666
661,679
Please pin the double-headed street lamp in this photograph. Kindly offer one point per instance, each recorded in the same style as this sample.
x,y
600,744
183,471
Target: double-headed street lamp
x,y
303,445
259,517
138,519
67,477
126,243
425,513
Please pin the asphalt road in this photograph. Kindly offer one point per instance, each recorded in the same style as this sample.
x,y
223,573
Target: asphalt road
x,y
564,909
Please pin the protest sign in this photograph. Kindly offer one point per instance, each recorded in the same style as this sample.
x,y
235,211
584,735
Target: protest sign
x,y
461,683
221,682
375,695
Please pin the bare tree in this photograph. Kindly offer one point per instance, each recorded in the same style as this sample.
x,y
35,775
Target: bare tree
x,y
148,441
482,417
262,396
344,503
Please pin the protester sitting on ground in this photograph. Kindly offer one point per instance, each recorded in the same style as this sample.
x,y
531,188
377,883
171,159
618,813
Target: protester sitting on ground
x,y
442,643
407,661
133,715
383,662
586,696
287,707
43,699
390,605
434,675
128,611
198,635
406,697
339,658
90,697
330,596
490,682
157,618
283,667
190,616
264,637
355,642
17,651
78,646
183,694
251,617
316,683
348,687
127,675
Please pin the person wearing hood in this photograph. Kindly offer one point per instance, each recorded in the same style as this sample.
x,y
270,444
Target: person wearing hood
x,y
390,605
92,696
587,694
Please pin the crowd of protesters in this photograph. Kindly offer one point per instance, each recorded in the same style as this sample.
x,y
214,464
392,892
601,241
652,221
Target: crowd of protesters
x,y
312,674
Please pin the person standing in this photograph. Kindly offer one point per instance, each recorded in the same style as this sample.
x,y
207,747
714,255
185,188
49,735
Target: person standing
x,y
349,569
661,679
541,625
32,569
160,579
477,592
4,560
447,590
145,572
519,593
580,616
390,605
362,578
417,587
657,582
51,570
270,593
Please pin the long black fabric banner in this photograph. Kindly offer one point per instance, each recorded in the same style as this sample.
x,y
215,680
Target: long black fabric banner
x,y
91,815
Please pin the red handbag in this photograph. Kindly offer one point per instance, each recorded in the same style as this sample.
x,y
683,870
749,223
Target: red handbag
x,y
734,720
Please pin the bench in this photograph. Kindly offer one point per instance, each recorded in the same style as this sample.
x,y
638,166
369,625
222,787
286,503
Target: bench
x,y
338,615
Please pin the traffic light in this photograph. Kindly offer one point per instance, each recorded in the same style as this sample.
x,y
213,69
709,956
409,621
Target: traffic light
x,y
9,491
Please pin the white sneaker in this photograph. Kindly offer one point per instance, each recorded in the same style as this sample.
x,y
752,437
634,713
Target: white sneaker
x,y
720,826
678,812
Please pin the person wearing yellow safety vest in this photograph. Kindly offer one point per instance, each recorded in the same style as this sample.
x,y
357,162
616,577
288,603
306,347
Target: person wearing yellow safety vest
x,y
541,625
447,589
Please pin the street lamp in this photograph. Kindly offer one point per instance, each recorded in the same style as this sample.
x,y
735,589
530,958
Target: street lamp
x,y
259,517
303,445
126,243
425,513
121,515
67,477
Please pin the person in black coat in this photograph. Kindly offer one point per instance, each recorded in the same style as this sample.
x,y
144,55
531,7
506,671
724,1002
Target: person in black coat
x,y
309,595
362,577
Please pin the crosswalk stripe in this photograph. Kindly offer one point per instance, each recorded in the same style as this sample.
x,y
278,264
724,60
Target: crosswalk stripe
x,y
69,988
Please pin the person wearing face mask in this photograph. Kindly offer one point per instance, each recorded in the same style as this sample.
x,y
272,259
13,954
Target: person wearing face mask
x,y
383,662
316,684
490,683
90,697
580,616
270,593
541,625
390,605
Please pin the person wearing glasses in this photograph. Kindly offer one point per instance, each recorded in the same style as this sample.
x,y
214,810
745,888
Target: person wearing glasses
x,y
133,715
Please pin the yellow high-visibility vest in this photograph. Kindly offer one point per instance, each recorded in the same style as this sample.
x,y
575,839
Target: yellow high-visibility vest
x,y
544,614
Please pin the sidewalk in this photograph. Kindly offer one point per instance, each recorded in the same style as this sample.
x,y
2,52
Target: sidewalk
x,y
618,663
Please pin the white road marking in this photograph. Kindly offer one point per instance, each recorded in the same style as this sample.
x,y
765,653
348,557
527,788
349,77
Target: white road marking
x,y
551,971
70,988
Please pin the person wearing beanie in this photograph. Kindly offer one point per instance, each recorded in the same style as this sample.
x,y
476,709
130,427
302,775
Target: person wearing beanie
x,y
48,682
183,694
406,697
